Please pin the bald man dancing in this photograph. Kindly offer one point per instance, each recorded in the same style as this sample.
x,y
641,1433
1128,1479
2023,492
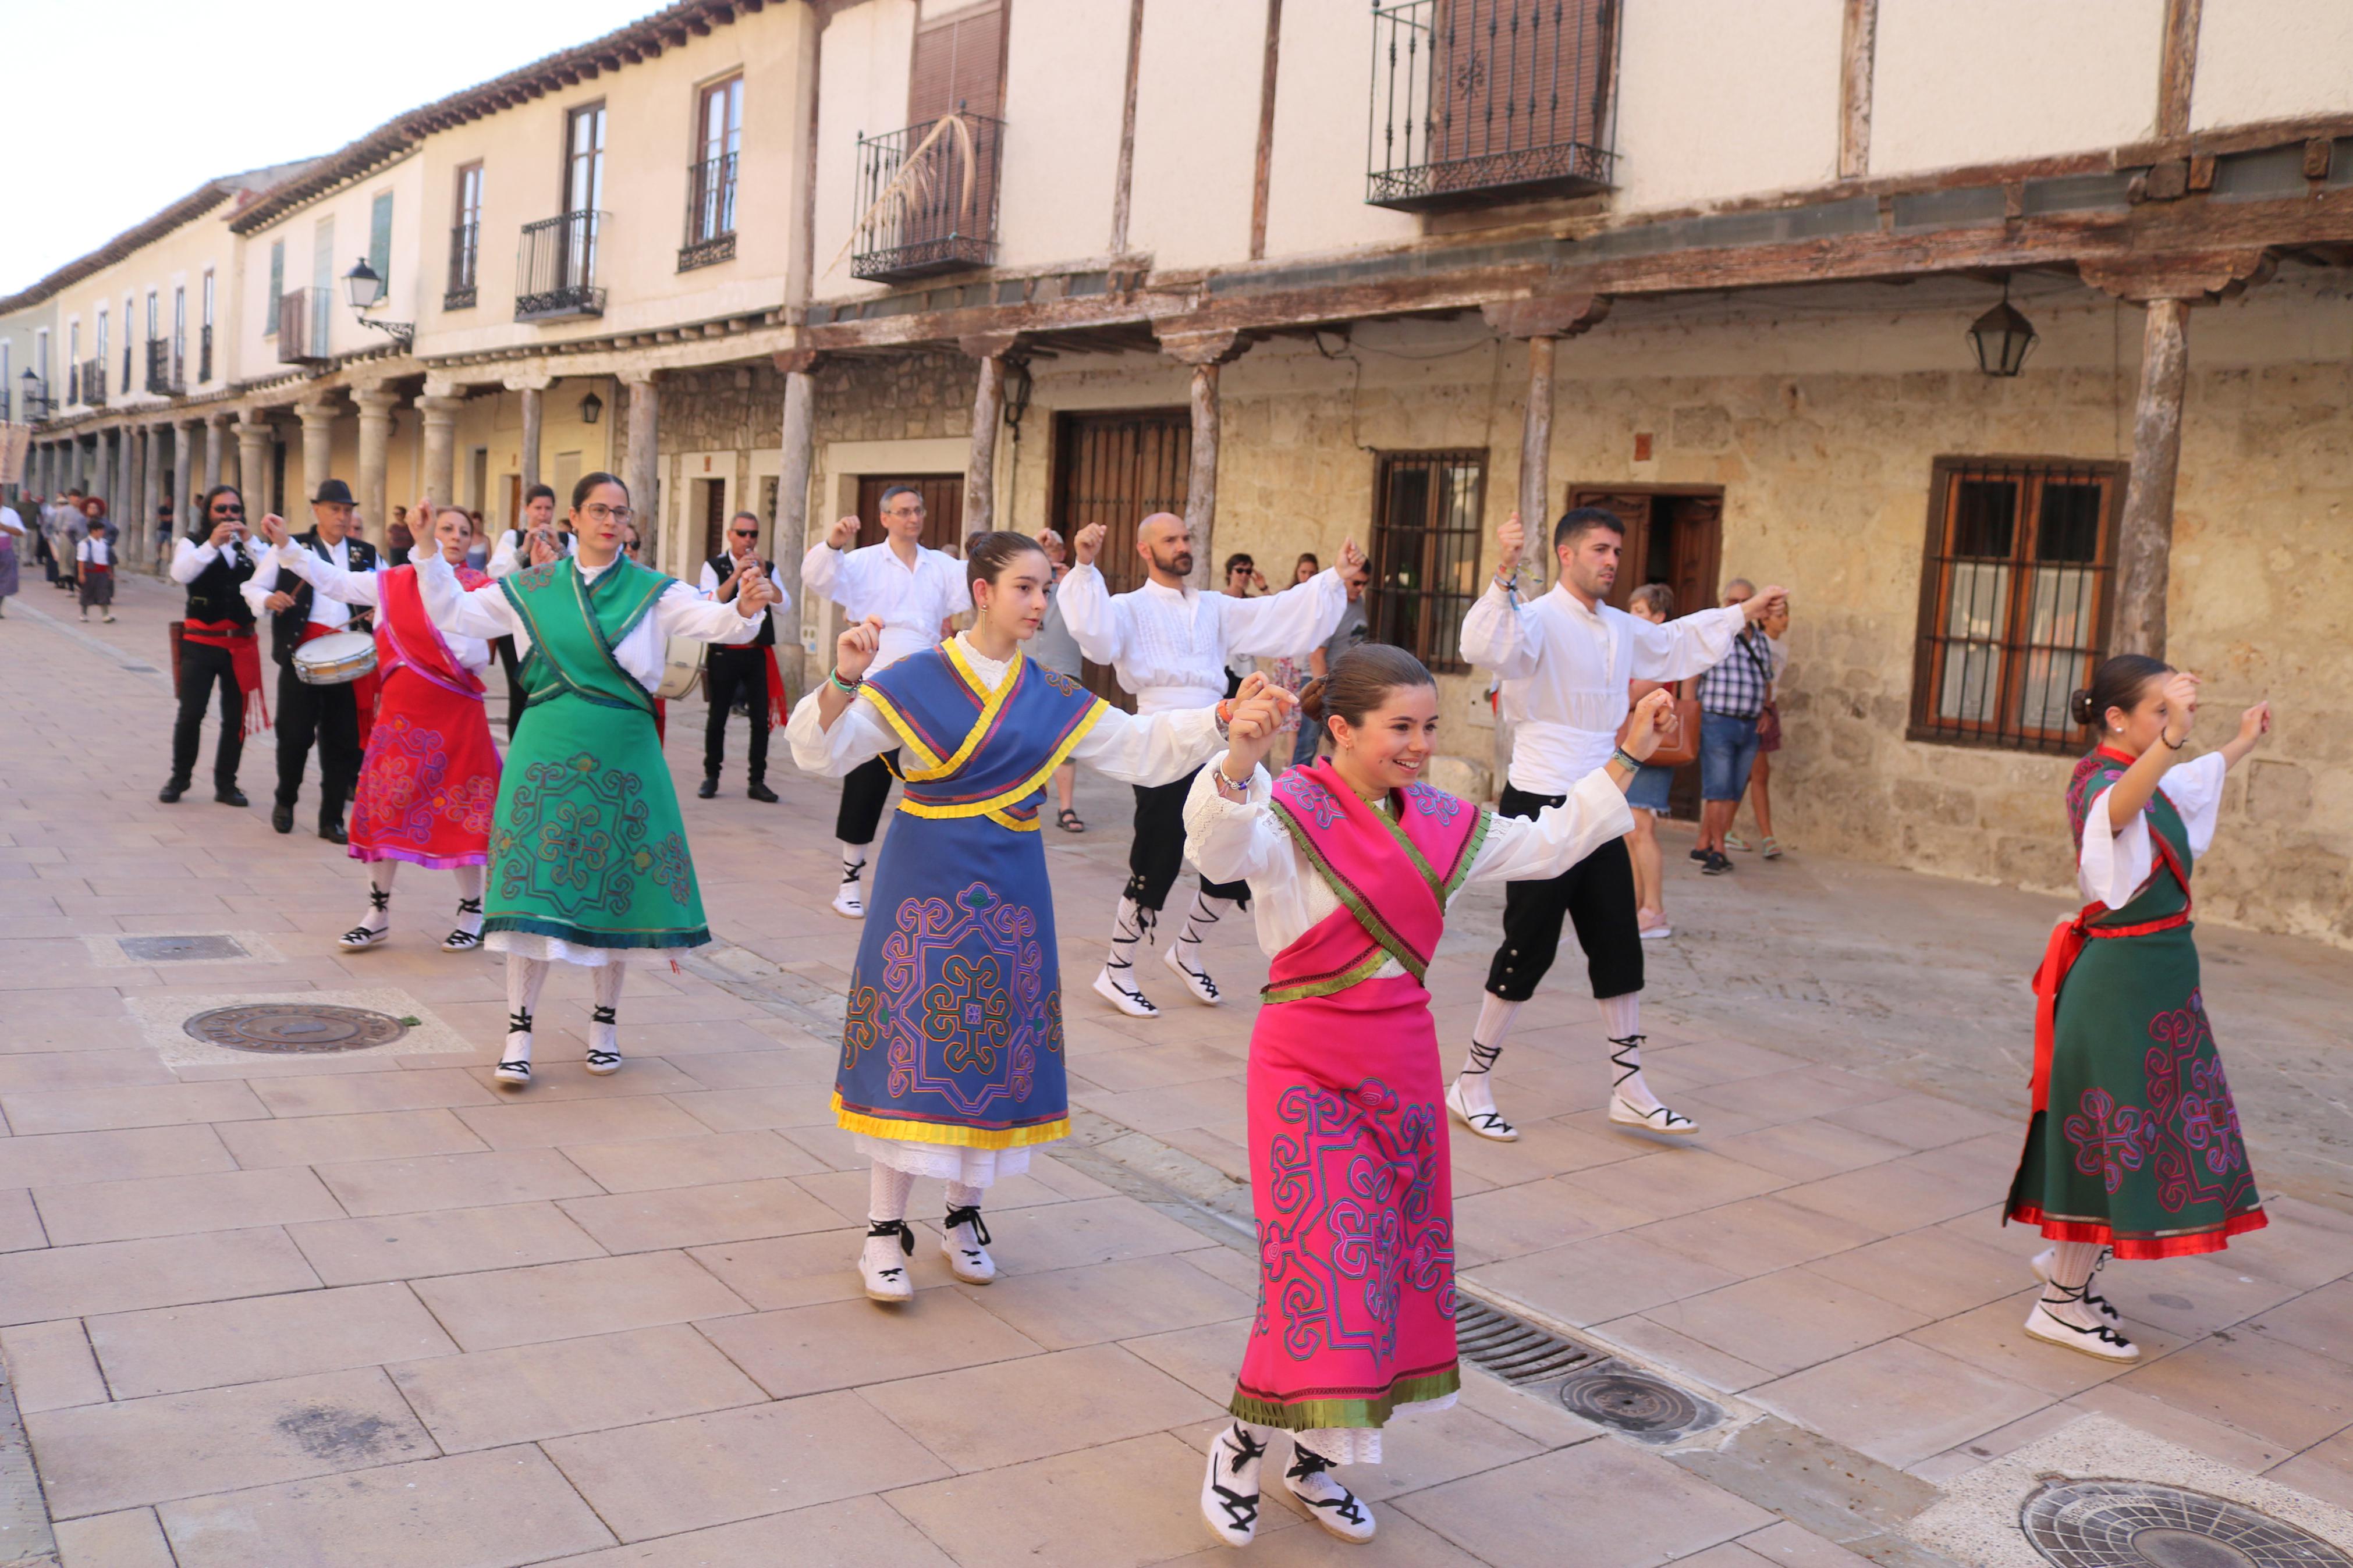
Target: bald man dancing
x,y
1169,644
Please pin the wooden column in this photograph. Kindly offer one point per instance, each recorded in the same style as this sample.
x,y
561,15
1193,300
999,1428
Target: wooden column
x,y
375,406
1542,321
2177,72
795,461
1858,58
987,414
437,414
1206,352
2165,287
1123,179
531,396
641,471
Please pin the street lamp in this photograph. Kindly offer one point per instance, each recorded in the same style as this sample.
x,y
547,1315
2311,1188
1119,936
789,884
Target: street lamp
x,y
29,404
2001,337
592,408
365,291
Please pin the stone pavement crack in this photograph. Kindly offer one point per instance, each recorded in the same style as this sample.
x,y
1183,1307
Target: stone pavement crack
x,y
24,1534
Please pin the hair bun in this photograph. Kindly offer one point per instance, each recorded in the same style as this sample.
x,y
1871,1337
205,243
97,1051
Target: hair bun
x,y
2079,707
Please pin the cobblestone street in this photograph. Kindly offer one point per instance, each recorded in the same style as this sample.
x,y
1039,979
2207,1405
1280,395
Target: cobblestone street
x,y
366,1309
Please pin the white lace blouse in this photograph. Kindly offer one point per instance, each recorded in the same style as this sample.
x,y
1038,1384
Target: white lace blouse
x,y
2113,864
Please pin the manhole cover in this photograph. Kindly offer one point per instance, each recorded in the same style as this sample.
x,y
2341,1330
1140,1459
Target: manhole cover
x,y
167,948
294,1028
1616,1395
2141,1524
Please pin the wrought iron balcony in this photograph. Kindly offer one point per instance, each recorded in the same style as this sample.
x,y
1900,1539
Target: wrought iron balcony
x,y
93,382
710,214
164,378
302,327
465,257
556,274
34,395
927,199
204,355
1482,101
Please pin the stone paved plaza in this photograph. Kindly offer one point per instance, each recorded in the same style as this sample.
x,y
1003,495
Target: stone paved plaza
x,y
366,1309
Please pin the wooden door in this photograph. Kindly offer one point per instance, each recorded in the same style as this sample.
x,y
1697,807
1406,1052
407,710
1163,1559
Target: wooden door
x,y
943,507
1117,468
714,517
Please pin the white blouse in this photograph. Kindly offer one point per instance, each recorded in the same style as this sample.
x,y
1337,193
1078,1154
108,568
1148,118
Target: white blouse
x,y
1233,841
2112,865
364,588
1157,748
681,612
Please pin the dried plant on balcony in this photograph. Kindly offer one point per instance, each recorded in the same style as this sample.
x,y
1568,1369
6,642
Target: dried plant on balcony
x,y
914,184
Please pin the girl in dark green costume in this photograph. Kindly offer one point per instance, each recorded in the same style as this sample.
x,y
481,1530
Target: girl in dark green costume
x,y
2133,1144
588,857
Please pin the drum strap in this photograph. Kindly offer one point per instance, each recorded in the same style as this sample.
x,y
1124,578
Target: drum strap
x,y
364,689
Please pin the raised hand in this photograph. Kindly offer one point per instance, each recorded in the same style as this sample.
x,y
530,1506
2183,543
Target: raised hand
x,y
1765,603
273,529
1654,715
2180,693
842,534
2255,723
1510,541
420,520
225,530
1353,568
543,547
752,590
1256,716
854,650
1089,543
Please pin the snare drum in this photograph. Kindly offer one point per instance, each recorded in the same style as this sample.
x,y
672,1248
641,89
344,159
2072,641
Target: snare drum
x,y
336,659
681,668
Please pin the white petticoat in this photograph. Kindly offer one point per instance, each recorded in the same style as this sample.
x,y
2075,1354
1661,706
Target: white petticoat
x,y
1351,1444
555,949
944,1161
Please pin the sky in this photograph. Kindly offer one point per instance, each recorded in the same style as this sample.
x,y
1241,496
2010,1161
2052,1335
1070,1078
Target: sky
x,y
122,109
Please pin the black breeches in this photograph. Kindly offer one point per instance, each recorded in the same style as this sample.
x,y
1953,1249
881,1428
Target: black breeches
x,y
328,714
1157,852
729,675
515,699
865,791
201,666
1596,894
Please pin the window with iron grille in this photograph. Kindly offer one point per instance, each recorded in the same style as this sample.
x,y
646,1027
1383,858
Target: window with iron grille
x,y
277,287
2015,592
465,241
711,182
1425,555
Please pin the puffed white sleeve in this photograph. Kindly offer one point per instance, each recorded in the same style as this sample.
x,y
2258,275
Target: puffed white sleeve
x,y
1155,749
708,581
1517,849
857,737
1091,613
681,612
2195,788
821,569
1289,624
262,584
1237,840
329,579
189,560
504,556
2114,862
1494,638
1688,645
484,613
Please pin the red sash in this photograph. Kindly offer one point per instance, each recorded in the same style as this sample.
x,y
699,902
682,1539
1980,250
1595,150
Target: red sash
x,y
244,662
409,639
776,688
2066,945
364,689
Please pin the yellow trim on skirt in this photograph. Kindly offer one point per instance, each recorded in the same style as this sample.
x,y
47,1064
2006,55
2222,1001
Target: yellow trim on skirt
x,y
960,1137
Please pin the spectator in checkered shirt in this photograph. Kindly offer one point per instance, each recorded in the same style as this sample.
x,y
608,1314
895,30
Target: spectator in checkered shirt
x,y
1732,698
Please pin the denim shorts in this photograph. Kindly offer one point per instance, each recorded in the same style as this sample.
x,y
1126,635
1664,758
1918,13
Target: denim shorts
x,y
1648,791
1727,750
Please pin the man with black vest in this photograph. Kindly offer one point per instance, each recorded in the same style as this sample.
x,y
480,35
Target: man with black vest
x,y
746,673
216,646
337,716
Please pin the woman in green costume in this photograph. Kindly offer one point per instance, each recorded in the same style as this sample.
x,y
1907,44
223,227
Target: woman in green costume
x,y
588,857
2133,1146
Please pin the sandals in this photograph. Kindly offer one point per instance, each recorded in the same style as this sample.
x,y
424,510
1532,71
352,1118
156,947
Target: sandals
x,y
604,1063
360,938
459,939
1068,821
889,1283
1772,850
1489,1125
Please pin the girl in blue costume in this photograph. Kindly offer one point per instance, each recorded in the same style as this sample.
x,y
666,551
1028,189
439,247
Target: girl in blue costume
x,y
952,1062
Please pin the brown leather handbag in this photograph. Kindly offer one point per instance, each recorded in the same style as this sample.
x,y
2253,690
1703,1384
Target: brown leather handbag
x,y
1680,745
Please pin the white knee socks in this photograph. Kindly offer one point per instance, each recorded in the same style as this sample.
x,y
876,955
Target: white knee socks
x,y
524,978
603,1022
1495,1018
1206,912
887,1240
469,898
1621,1022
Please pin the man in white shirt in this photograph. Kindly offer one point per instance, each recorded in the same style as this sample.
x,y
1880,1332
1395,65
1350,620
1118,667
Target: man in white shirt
x,y
333,715
917,592
1565,660
744,671
1171,645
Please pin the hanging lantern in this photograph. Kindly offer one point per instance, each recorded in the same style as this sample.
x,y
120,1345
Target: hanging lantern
x,y
2001,338
592,408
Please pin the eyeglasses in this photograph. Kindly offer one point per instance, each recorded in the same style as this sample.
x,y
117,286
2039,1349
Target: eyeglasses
x,y
227,509
597,511
744,532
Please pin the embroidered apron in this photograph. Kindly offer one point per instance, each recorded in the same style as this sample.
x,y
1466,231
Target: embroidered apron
x,y
430,777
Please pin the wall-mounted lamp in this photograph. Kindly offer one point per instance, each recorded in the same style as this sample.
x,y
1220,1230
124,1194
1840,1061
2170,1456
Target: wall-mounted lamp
x,y
1016,391
365,291
592,408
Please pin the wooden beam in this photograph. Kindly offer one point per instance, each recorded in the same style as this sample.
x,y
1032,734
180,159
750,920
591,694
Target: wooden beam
x,y
1266,82
2177,73
2144,536
1125,177
1858,53
2195,275
1201,477
1201,348
1545,315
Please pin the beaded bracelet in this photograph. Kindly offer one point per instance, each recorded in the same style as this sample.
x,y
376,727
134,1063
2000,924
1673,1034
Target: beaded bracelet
x,y
847,688
1632,761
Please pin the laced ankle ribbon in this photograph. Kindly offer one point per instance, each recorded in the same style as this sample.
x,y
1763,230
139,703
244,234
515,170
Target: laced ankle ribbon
x,y
1306,1464
2058,1295
898,1228
460,937
380,899
518,1022
850,873
1241,1508
597,1055
1485,1056
966,1213
1630,1044
1147,922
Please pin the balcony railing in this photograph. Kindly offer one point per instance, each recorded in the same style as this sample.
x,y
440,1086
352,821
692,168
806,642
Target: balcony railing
x,y
93,382
300,339
164,369
710,214
204,355
927,203
37,404
1479,102
556,274
465,258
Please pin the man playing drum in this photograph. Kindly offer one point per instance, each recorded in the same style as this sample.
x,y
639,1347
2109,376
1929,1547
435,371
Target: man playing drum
x,y
336,713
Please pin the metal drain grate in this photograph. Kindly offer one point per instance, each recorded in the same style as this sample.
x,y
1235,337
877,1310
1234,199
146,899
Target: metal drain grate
x,y
181,949
2141,1524
1515,1351
291,1028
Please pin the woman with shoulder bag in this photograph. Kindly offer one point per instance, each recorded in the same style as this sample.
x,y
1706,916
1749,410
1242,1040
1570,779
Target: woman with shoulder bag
x,y
1647,795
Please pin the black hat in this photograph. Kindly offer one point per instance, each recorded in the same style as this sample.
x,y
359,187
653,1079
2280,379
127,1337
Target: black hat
x,y
333,492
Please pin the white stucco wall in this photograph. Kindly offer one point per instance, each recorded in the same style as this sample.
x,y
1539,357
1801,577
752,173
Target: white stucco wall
x,y
2272,60
1993,80
1065,82
1726,98
862,90
1315,184
1197,131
